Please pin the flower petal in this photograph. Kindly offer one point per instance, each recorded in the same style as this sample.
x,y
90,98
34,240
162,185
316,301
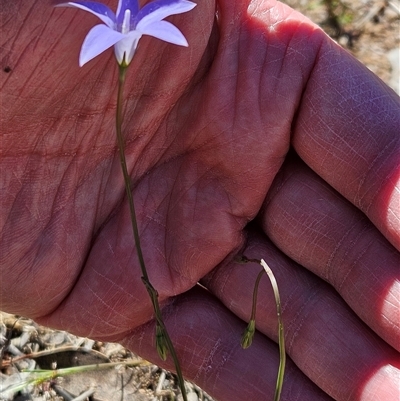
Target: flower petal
x,y
125,49
99,39
165,31
132,5
99,10
160,9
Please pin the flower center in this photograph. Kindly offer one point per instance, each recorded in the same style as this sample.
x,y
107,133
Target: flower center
x,y
126,23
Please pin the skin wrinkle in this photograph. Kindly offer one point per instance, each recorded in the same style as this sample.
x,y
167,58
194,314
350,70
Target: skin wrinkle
x,y
85,312
261,76
235,74
135,148
299,320
153,129
18,196
353,262
157,215
347,242
208,364
18,33
149,148
9,209
372,170
21,56
88,99
41,32
104,319
350,267
112,284
173,264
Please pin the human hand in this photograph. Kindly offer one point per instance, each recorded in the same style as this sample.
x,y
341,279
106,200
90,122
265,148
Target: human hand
x,y
208,133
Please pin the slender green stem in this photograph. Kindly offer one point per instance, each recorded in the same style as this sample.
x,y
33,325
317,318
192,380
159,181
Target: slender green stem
x,y
255,293
154,297
248,335
145,278
127,179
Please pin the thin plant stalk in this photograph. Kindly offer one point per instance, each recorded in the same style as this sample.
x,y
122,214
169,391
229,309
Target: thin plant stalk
x,y
255,293
163,341
248,334
250,330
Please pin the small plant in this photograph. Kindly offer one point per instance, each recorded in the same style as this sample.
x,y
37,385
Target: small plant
x,y
123,30
339,14
247,337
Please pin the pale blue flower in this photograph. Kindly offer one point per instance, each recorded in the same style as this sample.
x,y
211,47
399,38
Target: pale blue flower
x,y
124,29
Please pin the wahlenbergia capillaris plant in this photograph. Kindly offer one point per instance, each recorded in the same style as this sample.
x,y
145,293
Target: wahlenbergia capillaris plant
x,y
123,30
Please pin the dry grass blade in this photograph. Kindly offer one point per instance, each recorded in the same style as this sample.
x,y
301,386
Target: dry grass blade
x,y
37,376
281,337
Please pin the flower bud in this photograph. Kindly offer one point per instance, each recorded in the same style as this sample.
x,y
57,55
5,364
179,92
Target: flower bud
x,y
161,343
247,337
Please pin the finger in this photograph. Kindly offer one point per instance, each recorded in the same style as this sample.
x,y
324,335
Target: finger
x,y
207,338
324,338
347,130
314,225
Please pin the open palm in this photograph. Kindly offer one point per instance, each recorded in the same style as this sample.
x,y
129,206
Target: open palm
x,y
262,138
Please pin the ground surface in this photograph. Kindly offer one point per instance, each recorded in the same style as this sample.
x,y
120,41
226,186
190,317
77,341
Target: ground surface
x,y
370,29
